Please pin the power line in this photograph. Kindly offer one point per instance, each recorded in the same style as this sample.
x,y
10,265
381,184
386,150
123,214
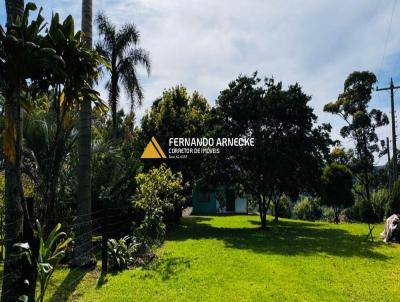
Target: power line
x,y
392,89
387,35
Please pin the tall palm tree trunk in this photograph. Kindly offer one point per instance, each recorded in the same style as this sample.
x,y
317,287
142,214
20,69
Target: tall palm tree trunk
x,y
83,248
12,286
113,99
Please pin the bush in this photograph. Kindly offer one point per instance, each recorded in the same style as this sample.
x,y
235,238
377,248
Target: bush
x,y
152,229
393,206
284,207
121,252
328,214
366,211
158,190
348,215
379,201
307,209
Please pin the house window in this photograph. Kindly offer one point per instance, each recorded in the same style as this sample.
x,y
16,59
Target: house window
x,y
204,197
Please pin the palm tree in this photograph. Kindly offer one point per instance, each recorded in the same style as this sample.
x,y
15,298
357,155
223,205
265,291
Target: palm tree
x,y
119,47
21,58
84,202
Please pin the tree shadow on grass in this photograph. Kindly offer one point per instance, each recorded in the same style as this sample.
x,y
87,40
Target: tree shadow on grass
x,y
288,238
166,267
69,284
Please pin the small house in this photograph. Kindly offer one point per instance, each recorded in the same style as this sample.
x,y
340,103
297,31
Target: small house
x,y
220,200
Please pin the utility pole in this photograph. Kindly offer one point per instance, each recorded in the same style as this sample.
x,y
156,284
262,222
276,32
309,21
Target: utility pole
x,y
389,168
392,88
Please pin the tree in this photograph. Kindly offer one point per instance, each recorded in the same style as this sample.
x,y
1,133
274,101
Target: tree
x,y
393,206
120,48
367,215
158,190
21,58
289,151
50,127
337,182
84,202
177,114
361,123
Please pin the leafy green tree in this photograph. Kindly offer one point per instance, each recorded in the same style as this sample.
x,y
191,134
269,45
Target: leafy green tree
x,y
337,182
367,215
21,58
177,114
158,190
341,156
120,48
289,151
49,128
361,123
393,206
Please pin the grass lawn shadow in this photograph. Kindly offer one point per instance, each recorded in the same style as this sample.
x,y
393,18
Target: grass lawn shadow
x,y
288,238
167,267
69,284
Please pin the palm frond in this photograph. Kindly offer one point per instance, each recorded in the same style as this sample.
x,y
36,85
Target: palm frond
x,y
128,35
107,30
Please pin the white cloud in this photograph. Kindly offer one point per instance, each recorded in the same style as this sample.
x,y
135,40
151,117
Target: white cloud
x,y
206,44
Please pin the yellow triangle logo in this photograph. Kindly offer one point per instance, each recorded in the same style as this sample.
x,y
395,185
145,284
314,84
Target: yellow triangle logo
x,y
153,150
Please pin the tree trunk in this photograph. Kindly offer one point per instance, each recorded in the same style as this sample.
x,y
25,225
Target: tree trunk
x,y
14,8
113,101
263,213
367,189
260,208
83,247
276,203
13,285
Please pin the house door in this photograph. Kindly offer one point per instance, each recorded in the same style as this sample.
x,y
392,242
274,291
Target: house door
x,y
230,201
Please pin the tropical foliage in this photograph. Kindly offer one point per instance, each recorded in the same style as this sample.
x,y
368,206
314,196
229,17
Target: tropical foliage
x,y
122,251
46,256
120,48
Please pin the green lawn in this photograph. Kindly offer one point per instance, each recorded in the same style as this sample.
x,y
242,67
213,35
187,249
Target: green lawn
x,y
228,258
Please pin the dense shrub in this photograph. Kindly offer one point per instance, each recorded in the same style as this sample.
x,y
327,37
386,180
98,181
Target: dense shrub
x,y
152,229
366,211
328,214
284,207
379,201
157,191
348,215
393,206
307,209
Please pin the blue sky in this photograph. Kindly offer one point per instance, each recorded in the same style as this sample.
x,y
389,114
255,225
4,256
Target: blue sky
x,y
206,44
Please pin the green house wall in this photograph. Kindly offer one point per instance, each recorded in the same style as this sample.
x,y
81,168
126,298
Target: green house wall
x,y
199,207
210,207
